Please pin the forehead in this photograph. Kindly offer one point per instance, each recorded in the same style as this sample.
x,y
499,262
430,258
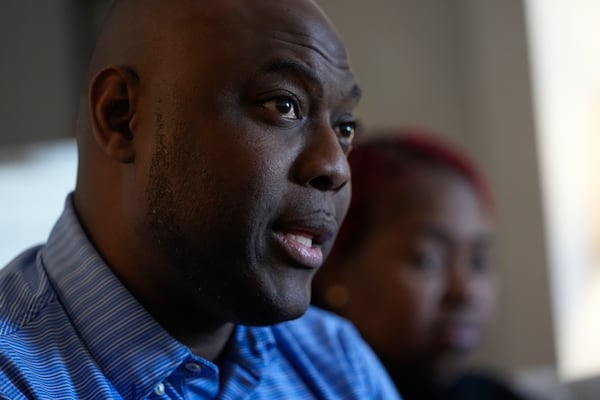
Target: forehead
x,y
298,21
246,38
431,195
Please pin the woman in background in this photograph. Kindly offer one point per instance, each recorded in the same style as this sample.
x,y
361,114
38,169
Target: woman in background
x,y
411,265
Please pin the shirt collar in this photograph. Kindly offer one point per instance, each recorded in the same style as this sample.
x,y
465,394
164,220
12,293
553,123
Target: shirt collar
x,y
118,332
252,348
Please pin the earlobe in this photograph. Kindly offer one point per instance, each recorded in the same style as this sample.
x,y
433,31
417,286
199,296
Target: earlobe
x,y
111,99
337,295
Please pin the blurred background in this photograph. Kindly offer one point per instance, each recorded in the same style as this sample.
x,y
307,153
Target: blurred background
x,y
516,83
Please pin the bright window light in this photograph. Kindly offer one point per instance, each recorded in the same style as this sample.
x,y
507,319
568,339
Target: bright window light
x,y
34,182
565,47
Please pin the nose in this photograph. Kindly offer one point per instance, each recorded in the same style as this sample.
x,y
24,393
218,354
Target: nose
x,y
323,164
458,285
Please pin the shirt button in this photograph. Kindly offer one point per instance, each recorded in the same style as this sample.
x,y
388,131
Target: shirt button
x,y
193,367
159,389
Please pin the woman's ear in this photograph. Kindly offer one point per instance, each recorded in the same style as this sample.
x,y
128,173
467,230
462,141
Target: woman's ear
x,y
112,98
330,288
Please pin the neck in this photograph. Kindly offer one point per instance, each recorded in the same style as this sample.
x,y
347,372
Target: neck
x,y
184,318
205,338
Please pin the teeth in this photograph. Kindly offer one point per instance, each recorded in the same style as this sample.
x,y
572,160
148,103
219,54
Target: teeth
x,y
306,241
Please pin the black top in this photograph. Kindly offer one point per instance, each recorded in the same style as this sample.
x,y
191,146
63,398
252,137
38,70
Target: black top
x,y
471,386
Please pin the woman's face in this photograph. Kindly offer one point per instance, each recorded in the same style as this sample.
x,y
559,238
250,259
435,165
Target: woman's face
x,y
420,286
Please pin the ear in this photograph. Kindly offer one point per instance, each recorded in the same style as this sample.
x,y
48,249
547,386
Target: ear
x,y
112,98
329,289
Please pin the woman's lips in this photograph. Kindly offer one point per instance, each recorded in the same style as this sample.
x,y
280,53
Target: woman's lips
x,y
462,336
300,247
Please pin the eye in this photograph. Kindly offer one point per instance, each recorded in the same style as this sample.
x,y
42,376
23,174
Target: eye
x,y
286,106
480,263
429,261
347,130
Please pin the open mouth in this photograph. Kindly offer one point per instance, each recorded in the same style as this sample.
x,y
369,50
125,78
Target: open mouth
x,y
303,240
301,237
303,246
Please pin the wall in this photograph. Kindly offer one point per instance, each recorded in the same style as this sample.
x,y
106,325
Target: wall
x,y
36,70
45,45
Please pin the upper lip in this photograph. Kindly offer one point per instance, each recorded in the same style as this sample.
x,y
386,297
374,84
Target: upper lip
x,y
320,225
462,318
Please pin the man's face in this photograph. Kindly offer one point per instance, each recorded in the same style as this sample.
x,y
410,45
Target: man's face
x,y
249,122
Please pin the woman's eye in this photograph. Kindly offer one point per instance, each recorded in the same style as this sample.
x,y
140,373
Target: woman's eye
x,y
429,261
480,263
286,106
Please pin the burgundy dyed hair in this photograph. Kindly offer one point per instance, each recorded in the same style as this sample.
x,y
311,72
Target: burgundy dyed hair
x,y
378,161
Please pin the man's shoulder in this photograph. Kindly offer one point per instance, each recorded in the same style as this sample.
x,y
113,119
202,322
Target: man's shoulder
x,y
328,349
41,353
24,291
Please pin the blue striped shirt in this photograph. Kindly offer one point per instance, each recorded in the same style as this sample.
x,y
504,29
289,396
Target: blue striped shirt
x,y
70,330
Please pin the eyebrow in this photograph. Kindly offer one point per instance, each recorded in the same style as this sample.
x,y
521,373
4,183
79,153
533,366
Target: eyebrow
x,y
442,236
356,92
435,233
283,65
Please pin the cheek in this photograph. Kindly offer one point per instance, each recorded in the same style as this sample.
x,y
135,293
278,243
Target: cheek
x,y
420,297
342,203
485,299
403,308
228,178
406,299
394,287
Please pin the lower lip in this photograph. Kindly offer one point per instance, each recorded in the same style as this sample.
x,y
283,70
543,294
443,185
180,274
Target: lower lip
x,y
309,257
465,337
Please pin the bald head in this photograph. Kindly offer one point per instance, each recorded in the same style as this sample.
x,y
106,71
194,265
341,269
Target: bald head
x,y
135,30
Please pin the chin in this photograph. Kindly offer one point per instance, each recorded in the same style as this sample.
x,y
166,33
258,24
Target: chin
x,y
274,310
